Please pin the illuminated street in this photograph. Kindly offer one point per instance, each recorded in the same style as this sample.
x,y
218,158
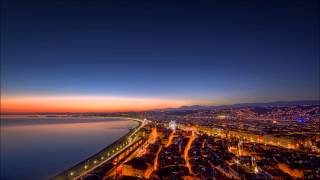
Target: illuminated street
x,y
160,90
222,150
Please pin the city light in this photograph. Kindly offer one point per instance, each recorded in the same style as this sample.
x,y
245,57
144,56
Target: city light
x,y
172,125
160,90
193,146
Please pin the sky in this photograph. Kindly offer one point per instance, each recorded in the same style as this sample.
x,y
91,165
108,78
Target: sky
x,y
148,54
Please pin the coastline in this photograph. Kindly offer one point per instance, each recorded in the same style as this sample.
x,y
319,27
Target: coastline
x,y
101,156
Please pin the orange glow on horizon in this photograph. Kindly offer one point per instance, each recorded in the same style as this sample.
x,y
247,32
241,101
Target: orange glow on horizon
x,y
31,104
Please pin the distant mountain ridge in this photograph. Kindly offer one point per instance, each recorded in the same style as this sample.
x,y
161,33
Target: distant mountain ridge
x,y
242,105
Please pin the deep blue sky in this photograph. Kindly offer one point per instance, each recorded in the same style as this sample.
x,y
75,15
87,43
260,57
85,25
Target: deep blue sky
x,y
230,51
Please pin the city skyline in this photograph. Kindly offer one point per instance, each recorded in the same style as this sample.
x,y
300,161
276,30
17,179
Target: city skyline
x,y
160,89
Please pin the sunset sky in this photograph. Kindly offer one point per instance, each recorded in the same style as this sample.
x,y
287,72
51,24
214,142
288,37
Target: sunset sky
x,y
135,55
83,104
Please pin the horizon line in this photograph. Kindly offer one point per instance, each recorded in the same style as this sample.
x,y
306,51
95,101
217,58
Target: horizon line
x,y
155,109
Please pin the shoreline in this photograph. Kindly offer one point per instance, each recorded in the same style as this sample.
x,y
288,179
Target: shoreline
x,y
101,156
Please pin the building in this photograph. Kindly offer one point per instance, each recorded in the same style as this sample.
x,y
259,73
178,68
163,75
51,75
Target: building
x,y
137,167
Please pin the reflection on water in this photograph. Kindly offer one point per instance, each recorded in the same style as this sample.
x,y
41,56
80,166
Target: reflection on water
x,y
40,147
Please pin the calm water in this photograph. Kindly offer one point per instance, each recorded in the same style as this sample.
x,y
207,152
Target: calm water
x,y
40,147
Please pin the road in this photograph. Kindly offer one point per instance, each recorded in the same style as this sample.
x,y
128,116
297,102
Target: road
x,y
101,157
122,148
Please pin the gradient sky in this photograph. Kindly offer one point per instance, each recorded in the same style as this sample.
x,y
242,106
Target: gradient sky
x,y
201,52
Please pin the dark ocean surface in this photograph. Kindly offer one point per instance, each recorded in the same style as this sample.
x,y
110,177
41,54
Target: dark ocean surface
x,y
38,147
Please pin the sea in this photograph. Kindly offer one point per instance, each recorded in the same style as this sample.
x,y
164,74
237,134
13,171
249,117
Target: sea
x,y
39,147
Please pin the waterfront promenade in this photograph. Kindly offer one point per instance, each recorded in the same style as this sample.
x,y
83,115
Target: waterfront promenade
x,y
108,153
